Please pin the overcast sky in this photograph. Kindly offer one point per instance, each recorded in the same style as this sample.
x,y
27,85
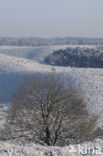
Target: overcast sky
x,y
51,18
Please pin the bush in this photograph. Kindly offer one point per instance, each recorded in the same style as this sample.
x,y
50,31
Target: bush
x,y
44,111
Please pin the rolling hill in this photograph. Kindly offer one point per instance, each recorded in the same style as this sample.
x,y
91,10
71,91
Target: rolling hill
x,y
16,62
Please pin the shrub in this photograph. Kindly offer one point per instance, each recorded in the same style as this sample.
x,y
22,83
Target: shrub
x,y
44,111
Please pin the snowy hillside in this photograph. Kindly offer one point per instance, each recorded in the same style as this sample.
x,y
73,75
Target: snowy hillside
x,y
34,53
15,62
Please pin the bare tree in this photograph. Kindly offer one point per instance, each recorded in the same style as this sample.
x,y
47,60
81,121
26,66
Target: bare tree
x,y
44,111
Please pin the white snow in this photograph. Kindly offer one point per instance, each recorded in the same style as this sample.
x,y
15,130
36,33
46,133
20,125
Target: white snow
x,y
34,53
88,149
87,80
15,62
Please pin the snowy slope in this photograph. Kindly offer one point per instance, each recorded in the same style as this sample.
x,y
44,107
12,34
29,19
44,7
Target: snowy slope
x,y
34,53
12,69
14,64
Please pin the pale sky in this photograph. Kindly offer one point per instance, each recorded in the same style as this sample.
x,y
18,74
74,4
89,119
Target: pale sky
x,y
51,18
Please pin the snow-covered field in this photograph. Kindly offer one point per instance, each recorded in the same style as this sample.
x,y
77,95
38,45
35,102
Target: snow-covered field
x,y
15,62
94,148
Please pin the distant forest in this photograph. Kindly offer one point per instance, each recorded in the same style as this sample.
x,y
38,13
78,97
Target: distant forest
x,y
31,41
76,57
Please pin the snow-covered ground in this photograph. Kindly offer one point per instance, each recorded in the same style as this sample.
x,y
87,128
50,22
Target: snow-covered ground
x,y
34,53
15,62
94,148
